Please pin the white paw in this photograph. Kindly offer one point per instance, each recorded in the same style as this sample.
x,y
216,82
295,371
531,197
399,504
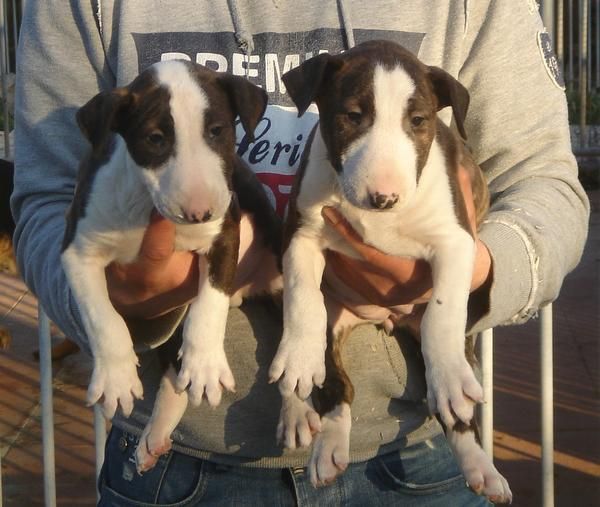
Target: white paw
x,y
116,381
299,365
452,389
206,372
331,448
482,477
298,422
151,446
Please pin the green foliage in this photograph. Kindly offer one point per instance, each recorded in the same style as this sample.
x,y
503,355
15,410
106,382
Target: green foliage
x,y
592,116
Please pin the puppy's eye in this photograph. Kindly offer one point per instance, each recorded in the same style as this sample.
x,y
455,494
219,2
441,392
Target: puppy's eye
x,y
355,117
156,139
417,121
215,131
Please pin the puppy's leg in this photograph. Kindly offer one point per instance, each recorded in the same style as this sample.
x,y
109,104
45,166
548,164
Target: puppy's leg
x,y
167,412
477,467
204,366
331,448
114,377
299,361
452,387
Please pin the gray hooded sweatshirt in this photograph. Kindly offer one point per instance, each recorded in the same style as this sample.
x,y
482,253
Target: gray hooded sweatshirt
x,y
516,127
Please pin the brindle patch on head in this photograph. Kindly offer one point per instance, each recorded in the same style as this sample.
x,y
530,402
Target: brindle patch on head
x,y
421,107
219,118
145,123
228,97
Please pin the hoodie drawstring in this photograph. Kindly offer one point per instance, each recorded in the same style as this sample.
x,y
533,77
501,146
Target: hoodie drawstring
x,y
346,24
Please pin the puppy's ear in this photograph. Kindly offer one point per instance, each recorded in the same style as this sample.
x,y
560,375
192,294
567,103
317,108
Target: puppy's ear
x,y
98,118
304,82
247,100
450,93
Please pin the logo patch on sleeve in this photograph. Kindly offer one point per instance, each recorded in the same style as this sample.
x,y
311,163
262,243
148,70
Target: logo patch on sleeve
x,y
549,59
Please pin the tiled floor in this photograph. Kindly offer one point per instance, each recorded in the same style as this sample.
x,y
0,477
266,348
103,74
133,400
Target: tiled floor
x,y
517,422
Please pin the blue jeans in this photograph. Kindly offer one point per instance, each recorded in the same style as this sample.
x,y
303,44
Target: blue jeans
x,y
422,475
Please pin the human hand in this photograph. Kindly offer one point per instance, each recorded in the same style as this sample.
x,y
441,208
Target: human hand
x,y
387,280
162,279
159,280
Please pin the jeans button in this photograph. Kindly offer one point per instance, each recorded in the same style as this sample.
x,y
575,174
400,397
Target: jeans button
x,y
122,444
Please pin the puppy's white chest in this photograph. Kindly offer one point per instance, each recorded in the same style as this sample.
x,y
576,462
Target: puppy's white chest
x,y
391,233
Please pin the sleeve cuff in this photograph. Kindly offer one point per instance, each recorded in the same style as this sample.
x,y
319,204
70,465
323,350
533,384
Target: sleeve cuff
x,y
512,289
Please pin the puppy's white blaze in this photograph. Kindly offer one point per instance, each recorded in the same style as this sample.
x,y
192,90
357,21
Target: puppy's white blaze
x,y
193,180
384,159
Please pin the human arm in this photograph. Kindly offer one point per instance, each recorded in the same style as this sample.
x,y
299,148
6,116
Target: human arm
x,y
518,130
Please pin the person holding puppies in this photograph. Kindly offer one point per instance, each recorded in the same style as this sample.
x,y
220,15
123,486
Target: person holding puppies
x,y
516,127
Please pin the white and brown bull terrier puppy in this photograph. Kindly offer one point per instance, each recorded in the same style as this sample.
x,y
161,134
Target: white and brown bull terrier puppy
x,y
381,157
165,141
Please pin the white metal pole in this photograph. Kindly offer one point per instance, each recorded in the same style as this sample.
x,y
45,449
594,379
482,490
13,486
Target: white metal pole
x,y
47,413
583,65
570,68
3,83
547,384
547,7
486,341
100,441
560,35
597,44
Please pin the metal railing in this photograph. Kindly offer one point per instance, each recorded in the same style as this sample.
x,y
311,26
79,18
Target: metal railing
x,y
580,71
575,27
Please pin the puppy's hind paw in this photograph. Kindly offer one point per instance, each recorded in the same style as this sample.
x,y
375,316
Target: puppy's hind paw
x,y
298,422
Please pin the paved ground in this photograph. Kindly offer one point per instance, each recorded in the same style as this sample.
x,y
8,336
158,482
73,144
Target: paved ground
x,y
517,422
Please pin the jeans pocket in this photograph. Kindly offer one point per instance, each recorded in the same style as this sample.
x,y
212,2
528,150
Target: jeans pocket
x,y
177,480
427,468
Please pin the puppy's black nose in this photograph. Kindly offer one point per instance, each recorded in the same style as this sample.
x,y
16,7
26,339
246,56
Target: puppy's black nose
x,y
199,218
383,201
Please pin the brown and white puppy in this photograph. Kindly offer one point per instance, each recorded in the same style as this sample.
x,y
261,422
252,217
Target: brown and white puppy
x,y
165,141
382,157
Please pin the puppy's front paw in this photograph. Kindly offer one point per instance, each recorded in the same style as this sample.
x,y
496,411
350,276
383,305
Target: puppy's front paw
x,y
299,365
452,389
331,449
298,422
206,372
116,381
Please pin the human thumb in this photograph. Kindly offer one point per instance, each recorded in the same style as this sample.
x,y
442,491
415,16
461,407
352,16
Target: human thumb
x,y
158,243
